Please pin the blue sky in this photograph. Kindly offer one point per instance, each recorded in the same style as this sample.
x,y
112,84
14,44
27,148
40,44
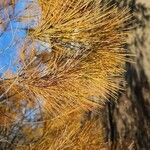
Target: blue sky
x,y
8,47
11,41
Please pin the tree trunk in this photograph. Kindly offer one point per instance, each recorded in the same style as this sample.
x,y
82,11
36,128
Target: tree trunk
x,y
128,120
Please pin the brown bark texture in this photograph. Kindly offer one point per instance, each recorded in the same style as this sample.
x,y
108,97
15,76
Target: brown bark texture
x,y
128,119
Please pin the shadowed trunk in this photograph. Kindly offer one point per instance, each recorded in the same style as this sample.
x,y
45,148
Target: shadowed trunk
x,y
128,120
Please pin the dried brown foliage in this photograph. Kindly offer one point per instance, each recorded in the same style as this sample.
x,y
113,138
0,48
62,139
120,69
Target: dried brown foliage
x,y
82,66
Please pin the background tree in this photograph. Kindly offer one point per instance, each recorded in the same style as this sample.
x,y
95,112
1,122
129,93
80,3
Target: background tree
x,y
128,119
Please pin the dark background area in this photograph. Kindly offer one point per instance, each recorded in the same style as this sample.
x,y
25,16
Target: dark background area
x,y
128,119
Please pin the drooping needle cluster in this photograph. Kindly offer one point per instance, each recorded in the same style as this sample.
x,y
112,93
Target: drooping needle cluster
x,y
79,70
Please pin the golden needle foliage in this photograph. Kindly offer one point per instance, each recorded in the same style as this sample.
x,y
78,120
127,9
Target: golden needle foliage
x,y
70,135
81,68
86,55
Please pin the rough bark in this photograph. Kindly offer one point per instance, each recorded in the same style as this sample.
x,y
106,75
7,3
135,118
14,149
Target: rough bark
x,y
128,120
